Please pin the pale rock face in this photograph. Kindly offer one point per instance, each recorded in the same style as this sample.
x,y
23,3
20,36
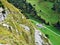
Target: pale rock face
x,y
40,25
25,27
38,39
1,44
6,25
1,9
4,44
23,17
2,16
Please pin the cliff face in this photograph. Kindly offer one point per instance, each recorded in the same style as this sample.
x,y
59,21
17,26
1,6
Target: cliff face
x,y
15,29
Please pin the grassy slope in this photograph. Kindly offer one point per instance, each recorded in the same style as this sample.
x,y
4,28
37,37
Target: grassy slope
x,y
46,12
35,21
17,38
55,39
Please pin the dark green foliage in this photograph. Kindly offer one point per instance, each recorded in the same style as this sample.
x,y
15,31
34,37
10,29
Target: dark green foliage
x,y
56,7
34,5
24,6
45,0
1,5
57,25
21,4
52,0
47,35
53,8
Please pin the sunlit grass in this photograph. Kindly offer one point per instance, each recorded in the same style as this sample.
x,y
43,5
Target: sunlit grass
x,y
14,19
46,12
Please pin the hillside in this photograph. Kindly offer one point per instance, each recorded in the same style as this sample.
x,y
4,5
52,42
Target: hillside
x,y
15,29
44,10
44,14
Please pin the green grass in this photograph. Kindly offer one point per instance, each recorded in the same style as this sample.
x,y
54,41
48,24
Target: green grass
x,y
47,13
49,16
55,39
56,30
